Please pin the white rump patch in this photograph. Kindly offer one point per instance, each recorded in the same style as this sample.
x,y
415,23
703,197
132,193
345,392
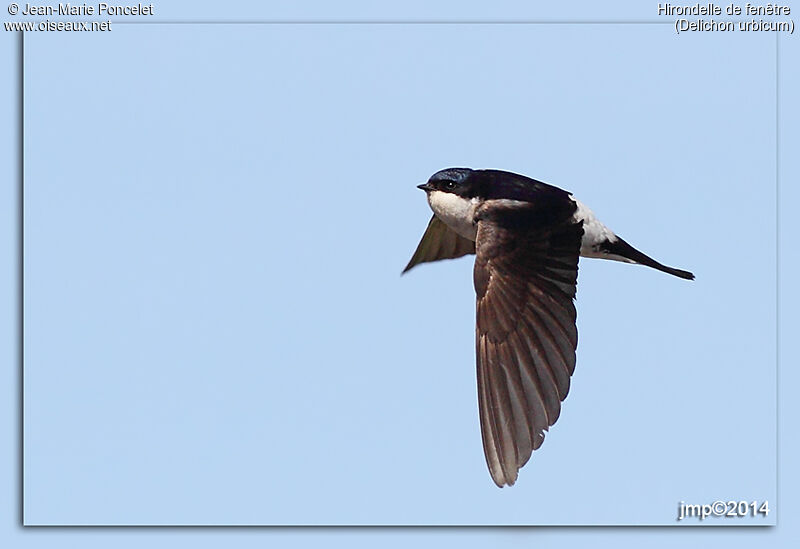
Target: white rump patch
x,y
594,232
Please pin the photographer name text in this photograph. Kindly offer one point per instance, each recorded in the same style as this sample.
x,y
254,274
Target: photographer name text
x,y
101,9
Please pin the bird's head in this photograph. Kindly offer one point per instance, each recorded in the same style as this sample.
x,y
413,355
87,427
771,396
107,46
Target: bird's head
x,y
452,180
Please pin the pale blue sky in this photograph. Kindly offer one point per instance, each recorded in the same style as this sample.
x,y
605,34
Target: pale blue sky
x,y
183,365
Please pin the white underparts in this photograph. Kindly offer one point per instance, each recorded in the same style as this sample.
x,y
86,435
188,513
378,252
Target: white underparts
x,y
457,212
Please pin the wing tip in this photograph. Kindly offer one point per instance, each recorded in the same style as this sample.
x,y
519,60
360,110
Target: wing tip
x,y
411,264
500,479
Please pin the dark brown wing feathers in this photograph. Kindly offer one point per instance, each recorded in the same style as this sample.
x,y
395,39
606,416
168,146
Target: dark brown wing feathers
x,y
525,279
440,242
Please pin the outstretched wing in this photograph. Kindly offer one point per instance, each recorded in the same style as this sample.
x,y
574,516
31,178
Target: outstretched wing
x,y
440,242
525,280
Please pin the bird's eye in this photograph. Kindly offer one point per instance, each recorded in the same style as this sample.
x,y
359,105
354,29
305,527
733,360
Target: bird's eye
x,y
450,185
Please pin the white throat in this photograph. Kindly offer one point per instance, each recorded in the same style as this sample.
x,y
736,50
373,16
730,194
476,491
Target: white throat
x,y
457,212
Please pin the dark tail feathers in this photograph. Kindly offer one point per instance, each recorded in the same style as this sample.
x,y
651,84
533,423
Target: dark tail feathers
x,y
622,248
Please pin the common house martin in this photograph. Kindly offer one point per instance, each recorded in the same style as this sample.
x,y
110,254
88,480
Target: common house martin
x,y
527,237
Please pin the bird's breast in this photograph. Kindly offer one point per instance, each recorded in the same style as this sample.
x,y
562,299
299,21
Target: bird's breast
x,y
457,212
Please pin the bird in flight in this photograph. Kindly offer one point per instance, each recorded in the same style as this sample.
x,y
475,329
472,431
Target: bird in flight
x,y
527,237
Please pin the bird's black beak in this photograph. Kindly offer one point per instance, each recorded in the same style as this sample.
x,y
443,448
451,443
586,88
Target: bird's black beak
x,y
425,187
